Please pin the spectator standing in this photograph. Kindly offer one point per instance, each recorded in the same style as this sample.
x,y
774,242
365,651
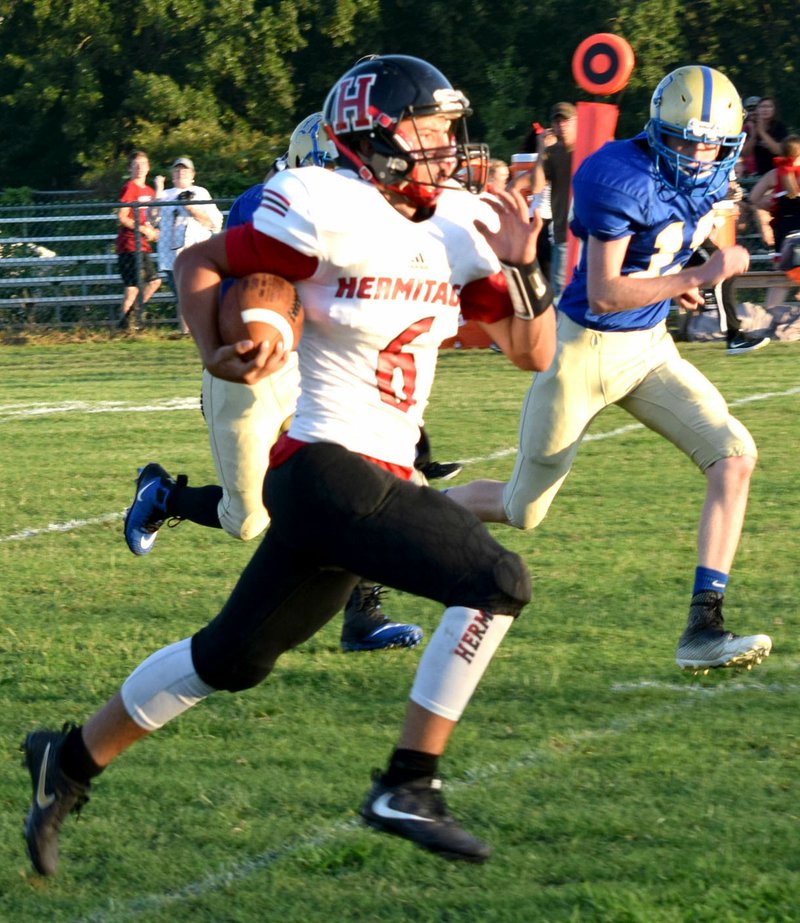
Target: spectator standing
x,y
137,268
762,144
182,225
554,166
765,135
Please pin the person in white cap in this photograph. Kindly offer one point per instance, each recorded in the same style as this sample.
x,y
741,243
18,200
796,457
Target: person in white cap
x,y
183,224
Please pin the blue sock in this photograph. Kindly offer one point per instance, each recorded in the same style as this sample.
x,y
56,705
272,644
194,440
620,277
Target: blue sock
x,y
707,579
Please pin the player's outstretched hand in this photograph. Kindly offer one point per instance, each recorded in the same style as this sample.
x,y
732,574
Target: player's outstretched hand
x,y
724,263
515,240
239,363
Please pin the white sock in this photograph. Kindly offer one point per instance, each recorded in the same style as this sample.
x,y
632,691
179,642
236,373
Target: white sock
x,y
163,686
456,658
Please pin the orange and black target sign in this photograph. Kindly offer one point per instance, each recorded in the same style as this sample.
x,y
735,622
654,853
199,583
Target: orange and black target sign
x,y
602,63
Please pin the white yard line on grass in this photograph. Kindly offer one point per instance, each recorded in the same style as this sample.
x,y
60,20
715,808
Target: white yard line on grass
x,y
14,411
62,527
7,411
142,908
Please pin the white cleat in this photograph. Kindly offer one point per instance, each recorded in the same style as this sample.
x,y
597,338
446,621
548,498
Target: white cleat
x,y
711,648
706,645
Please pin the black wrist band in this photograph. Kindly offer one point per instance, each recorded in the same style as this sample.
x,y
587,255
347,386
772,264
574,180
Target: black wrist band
x,y
528,289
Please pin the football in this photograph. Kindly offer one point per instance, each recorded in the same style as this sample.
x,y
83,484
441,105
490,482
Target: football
x,y
263,308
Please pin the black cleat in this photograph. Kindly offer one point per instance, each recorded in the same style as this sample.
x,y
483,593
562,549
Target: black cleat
x,y
54,797
742,343
441,471
416,811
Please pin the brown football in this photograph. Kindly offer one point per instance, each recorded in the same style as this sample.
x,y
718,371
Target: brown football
x,y
263,308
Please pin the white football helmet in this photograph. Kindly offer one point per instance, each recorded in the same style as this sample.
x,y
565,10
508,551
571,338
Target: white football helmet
x,y
696,104
309,145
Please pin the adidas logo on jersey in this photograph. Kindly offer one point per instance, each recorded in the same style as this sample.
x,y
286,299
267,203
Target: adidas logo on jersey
x,y
419,262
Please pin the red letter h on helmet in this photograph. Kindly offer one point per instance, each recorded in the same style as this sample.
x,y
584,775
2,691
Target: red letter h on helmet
x,y
352,111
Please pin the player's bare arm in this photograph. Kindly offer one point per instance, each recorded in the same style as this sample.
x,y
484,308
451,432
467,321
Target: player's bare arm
x,y
608,290
198,272
530,345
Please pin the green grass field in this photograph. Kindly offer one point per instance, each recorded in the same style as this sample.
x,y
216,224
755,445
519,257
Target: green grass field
x,y
612,786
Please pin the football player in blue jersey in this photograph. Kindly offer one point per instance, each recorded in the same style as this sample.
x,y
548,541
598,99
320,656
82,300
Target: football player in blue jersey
x,y
642,206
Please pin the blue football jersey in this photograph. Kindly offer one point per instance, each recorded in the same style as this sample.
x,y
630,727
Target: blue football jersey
x,y
245,206
618,192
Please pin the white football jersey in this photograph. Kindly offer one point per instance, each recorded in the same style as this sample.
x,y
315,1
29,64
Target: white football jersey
x,y
385,294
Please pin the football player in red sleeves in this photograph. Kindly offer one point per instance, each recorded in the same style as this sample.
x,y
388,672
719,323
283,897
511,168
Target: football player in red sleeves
x,y
244,420
383,253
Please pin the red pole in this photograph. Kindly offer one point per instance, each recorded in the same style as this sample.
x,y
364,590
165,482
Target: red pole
x,y
597,123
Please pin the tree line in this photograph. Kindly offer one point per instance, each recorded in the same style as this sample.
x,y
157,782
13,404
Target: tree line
x,y
83,82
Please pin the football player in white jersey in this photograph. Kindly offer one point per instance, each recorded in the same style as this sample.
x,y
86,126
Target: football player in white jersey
x,y
243,423
383,255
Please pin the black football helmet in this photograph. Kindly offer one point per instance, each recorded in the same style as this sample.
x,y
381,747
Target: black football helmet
x,y
369,101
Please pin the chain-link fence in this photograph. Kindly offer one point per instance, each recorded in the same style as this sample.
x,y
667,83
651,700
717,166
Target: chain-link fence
x,y
58,267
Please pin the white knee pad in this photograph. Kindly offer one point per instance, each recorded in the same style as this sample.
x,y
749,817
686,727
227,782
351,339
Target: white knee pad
x,y
456,658
242,517
163,686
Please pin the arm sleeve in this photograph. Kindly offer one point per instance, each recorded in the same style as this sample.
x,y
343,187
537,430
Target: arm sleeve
x,y
249,251
486,300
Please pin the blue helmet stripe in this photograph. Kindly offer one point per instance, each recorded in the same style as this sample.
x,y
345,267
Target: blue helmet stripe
x,y
708,89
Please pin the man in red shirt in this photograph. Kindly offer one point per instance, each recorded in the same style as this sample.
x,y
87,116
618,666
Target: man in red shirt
x,y
132,271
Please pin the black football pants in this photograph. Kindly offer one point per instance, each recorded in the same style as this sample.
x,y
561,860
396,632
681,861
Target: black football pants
x,y
335,515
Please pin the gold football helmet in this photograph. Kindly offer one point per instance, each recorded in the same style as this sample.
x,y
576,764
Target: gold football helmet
x,y
696,104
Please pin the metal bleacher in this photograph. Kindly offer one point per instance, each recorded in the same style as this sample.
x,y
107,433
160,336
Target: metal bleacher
x,y
58,269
